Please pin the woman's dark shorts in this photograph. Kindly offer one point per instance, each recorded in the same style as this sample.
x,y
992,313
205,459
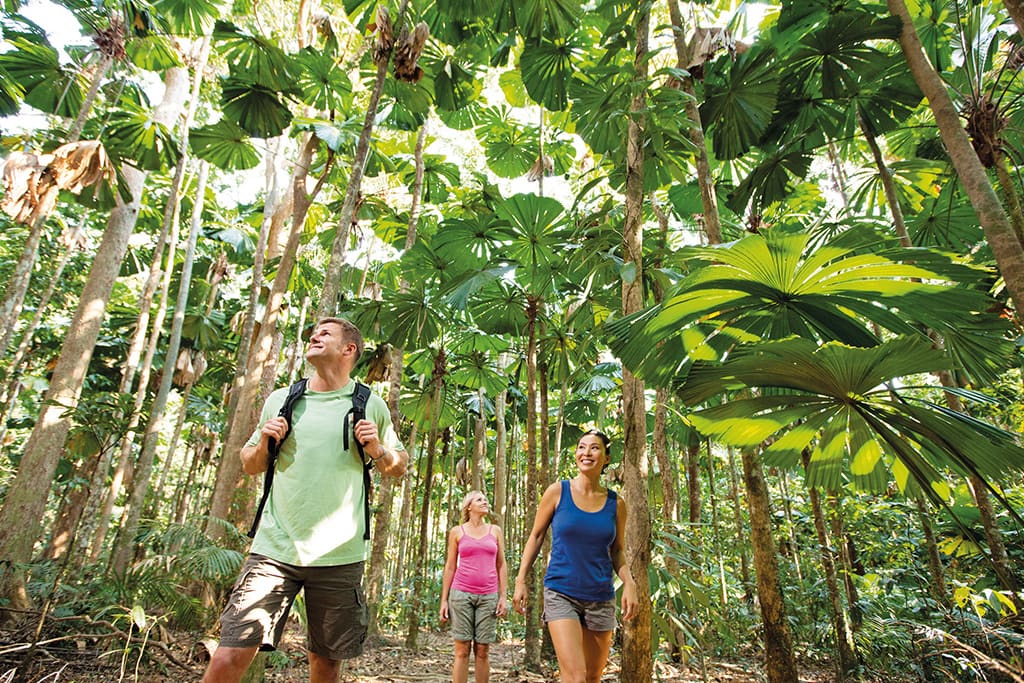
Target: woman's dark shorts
x,y
593,615
335,607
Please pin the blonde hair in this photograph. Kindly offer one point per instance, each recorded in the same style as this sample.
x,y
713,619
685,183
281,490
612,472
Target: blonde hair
x,y
466,502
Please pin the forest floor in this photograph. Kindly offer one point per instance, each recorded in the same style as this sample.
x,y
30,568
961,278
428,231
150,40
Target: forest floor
x,y
180,658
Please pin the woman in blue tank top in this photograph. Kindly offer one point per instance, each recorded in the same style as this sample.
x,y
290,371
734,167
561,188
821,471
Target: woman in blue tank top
x,y
588,525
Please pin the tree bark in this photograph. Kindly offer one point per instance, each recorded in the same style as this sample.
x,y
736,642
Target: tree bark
x,y
123,548
637,661
998,231
533,486
669,484
937,584
246,413
1016,10
708,196
846,662
347,215
780,665
888,186
25,504
419,575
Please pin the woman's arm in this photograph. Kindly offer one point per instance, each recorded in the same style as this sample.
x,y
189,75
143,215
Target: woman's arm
x,y
502,568
541,522
619,564
450,562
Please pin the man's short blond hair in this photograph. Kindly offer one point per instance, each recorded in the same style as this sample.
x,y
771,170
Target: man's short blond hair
x,y
349,332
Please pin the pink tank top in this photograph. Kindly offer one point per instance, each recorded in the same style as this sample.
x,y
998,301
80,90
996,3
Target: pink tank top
x,y
476,571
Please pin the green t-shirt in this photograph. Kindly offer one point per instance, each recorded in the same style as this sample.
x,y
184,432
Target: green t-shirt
x,y
314,515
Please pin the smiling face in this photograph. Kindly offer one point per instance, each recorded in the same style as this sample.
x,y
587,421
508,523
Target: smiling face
x,y
475,503
591,454
327,344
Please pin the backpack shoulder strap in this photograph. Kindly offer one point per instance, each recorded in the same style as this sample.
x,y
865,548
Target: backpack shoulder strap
x,y
360,397
295,392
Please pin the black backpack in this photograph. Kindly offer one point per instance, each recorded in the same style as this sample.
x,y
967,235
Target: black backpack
x,y
360,395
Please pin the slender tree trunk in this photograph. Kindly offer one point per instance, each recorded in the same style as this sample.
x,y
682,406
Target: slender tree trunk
x,y
246,413
999,233
637,661
70,514
888,186
347,215
843,544
14,369
419,575
1011,195
24,506
533,490
937,584
716,531
500,455
106,59
780,665
790,526
479,444
734,495
125,544
708,197
669,484
846,663
17,286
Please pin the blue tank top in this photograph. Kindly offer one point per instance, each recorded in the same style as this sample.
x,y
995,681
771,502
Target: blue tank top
x,y
581,560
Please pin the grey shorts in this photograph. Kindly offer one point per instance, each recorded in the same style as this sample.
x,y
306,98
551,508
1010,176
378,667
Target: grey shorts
x,y
335,607
593,615
473,617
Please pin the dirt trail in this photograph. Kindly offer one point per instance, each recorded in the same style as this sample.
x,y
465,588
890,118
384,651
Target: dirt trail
x,y
384,661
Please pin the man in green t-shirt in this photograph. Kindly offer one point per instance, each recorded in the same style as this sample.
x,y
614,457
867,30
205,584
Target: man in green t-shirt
x,y
311,533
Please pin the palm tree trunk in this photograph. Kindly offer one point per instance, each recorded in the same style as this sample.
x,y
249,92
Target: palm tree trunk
x,y
845,551
999,233
708,196
787,509
734,495
532,656
245,416
25,504
937,584
17,286
716,531
780,665
1016,10
332,276
637,661
419,574
1009,188
125,544
669,484
847,659
888,186
500,454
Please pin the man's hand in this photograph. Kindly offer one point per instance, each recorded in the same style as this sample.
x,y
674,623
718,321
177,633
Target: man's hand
x,y
366,434
274,429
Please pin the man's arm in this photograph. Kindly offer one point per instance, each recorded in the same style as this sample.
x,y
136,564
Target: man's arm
x,y
255,458
391,463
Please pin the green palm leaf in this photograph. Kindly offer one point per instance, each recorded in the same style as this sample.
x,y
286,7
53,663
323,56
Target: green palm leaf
x,y
546,69
191,17
536,241
837,400
324,85
257,109
47,86
152,53
132,134
779,284
254,58
224,145
739,99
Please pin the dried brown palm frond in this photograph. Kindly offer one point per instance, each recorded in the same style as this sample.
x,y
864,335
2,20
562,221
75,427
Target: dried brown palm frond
x,y
31,182
385,36
408,51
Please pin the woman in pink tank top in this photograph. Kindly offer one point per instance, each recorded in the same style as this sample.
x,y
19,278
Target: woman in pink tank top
x,y
474,587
